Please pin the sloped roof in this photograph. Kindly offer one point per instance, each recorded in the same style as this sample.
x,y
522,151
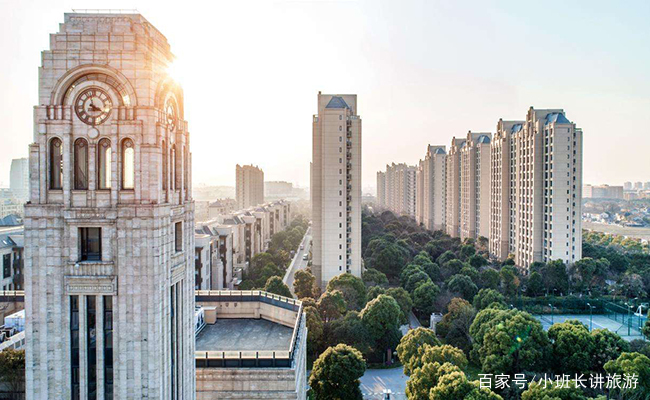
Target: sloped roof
x,y
557,118
337,102
483,139
11,220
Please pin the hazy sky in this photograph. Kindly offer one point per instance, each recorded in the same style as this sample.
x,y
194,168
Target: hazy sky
x,y
424,71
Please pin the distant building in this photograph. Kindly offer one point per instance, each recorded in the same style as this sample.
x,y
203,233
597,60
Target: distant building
x,y
336,188
646,186
627,186
250,186
400,188
381,189
11,207
276,190
638,185
430,191
12,258
602,192
453,191
19,179
475,186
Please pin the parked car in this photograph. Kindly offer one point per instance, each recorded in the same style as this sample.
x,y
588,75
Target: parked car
x,y
305,257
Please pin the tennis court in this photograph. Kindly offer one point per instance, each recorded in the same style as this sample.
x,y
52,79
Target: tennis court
x,y
625,329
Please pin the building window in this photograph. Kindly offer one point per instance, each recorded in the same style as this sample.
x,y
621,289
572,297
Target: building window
x,y
90,244
172,185
108,347
91,343
165,177
128,164
177,170
80,164
6,266
56,164
75,380
178,237
104,164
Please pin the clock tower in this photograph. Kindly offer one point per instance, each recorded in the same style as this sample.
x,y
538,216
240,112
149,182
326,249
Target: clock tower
x,y
109,227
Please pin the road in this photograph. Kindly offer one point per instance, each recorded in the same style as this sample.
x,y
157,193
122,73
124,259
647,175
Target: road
x,y
374,381
298,262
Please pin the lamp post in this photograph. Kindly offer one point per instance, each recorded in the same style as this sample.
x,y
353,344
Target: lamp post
x,y
591,324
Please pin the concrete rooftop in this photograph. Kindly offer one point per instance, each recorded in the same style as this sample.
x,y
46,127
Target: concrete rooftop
x,y
245,335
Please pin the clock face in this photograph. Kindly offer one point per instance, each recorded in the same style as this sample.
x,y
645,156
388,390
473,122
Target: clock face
x,y
170,113
93,106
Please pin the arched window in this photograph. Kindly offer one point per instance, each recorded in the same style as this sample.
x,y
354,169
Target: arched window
x,y
173,170
165,156
104,164
56,164
128,164
80,164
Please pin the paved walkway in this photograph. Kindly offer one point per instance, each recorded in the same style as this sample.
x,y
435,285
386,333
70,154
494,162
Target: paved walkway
x,y
298,262
375,381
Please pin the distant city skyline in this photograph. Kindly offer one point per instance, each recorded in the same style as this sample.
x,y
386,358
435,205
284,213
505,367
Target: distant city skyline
x,y
423,71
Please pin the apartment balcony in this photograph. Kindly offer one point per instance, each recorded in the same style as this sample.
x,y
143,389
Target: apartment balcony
x,y
348,250
349,156
349,135
348,240
348,209
348,142
348,229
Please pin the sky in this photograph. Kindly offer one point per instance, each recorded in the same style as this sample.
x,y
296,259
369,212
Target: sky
x,y
424,71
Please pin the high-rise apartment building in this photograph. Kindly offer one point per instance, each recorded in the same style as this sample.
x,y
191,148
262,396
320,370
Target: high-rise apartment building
x,y
627,186
538,164
602,192
453,190
109,231
19,179
475,186
431,198
381,189
336,188
401,185
250,186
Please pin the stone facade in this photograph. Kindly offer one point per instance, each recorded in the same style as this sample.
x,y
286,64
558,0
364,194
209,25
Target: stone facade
x,y
109,230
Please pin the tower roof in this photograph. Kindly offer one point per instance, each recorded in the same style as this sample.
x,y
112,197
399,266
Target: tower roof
x,y
337,102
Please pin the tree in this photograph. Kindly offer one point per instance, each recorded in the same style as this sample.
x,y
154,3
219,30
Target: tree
x,y
331,305
381,317
509,280
535,285
415,280
409,344
351,331
12,369
517,344
631,363
374,292
556,277
607,346
432,269
314,329
353,289
646,327
538,391
490,278
336,374
467,251
303,284
485,297
441,354
591,272
572,347
402,298
425,378
275,285
456,323
451,267
462,285
451,386
470,272
373,277
477,261
390,260
424,297
446,257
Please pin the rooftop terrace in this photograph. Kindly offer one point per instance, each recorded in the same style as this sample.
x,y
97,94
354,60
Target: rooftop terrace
x,y
244,335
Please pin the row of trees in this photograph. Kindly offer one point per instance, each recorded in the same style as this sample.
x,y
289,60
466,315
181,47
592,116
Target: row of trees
x,y
275,261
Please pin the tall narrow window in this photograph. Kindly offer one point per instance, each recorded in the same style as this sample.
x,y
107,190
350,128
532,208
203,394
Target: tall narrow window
x,y
178,169
104,164
56,164
74,348
165,160
178,237
185,170
128,164
80,164
173,168
108,347
91,342
90,244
